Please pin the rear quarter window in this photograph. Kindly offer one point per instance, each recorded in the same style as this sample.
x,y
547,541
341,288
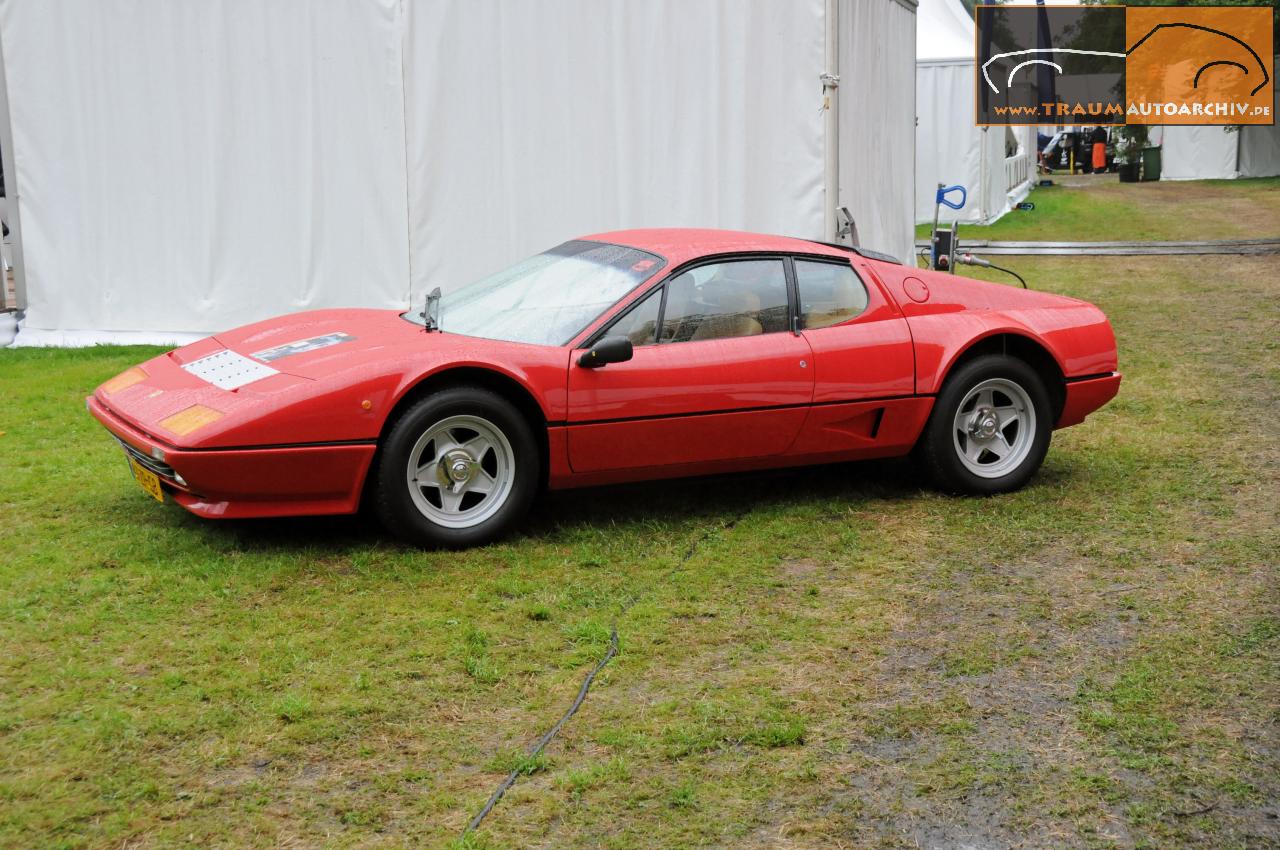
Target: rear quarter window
x,y
830,293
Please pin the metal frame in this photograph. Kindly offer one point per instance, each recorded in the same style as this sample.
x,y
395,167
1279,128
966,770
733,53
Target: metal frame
x,y
1122,249
11,205
830,79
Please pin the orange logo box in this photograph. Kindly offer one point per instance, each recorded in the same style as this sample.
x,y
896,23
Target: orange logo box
x,y
1199,65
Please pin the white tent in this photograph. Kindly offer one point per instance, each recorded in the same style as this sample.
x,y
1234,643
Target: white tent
x,y
1217,152
995,164
185,167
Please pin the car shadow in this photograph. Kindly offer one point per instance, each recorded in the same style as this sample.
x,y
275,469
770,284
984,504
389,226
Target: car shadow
x,y
554,512
722,495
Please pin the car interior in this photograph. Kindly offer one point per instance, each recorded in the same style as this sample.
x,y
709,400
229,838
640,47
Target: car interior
x,y
744,298
727,300
829,294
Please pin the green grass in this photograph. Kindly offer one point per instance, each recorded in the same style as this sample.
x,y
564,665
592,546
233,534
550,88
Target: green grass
x,y
856,661
1100,209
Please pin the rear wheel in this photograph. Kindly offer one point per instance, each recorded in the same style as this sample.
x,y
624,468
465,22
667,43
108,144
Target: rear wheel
x,y
459,468
990,427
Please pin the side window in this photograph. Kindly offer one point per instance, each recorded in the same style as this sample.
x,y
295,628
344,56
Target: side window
x,y
640,324
830,293
724,300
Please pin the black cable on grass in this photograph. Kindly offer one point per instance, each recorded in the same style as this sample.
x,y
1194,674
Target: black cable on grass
x,y
693,547
1009,271
546,739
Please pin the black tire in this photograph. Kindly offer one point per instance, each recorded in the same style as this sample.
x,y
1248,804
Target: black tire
x,y
942,445
421,519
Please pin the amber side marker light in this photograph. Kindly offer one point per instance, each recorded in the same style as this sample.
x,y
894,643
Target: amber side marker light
x,y
124,380
194,417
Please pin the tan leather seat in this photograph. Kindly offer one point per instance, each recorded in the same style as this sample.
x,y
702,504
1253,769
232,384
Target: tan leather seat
x,y
642,335
736,315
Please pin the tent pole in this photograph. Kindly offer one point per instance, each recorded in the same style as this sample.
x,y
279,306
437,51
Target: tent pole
x,y
982,175
831,124
11,199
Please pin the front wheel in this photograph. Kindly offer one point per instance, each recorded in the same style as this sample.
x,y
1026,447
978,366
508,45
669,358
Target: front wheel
x,y
990,427
459,468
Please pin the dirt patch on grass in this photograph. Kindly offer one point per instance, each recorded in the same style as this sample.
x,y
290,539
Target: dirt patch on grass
x,y
800,568
1196,209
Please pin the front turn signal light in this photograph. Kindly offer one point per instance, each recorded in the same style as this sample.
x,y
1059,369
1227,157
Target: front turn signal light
x,y
194,417
124,380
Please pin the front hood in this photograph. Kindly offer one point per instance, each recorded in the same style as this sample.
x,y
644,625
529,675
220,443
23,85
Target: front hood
x,y
290,379
317,344
323,376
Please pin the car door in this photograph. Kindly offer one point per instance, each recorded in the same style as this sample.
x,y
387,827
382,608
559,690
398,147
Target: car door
x,y
717,373
863,360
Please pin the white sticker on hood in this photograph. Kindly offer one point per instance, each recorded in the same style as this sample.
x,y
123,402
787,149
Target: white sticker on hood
x,y
310,344
228,370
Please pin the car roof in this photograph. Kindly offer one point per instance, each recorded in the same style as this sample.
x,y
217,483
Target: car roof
x,y
681,244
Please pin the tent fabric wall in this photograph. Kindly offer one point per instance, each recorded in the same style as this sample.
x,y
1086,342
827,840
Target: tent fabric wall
x,y
619,114
1223,153
950,148
1260,144
1199,153
944,31
203,164
1260,152
877,123
1220,153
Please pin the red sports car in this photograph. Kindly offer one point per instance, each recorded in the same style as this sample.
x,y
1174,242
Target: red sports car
x,y
617,357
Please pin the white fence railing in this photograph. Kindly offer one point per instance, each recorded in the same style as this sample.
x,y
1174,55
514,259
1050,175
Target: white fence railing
x,y
1017,170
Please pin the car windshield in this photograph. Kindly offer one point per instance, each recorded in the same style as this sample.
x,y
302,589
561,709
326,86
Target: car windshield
x,y
547,299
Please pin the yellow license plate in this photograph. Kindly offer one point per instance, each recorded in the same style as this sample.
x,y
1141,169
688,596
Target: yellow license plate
x,y
147,480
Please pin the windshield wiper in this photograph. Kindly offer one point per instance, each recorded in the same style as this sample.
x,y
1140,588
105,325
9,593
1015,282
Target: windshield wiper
x,y
431,311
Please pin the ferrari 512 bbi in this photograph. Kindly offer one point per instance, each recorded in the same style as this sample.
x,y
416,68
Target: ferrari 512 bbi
x,y
617,357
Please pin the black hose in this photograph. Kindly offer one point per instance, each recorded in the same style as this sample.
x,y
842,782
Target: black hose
x,y
591,677
551,733
1012,272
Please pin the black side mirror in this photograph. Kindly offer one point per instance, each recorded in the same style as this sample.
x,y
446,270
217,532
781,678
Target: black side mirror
x,y
611,349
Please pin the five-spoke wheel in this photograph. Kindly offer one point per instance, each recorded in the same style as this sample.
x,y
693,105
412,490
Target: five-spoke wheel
x,y
457,469
994,427
460,471
990,427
